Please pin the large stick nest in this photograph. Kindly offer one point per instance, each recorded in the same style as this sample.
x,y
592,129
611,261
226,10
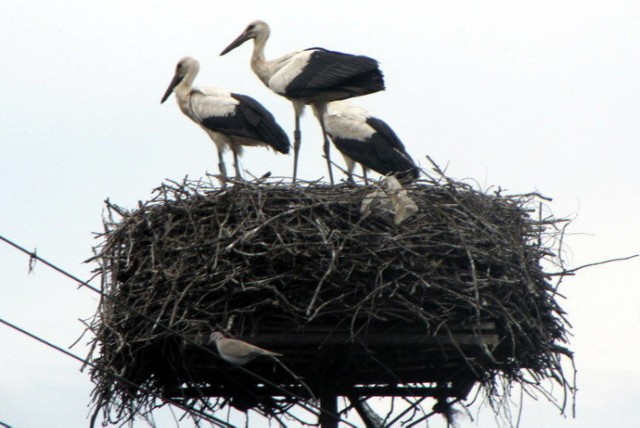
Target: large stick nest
x,y
262,259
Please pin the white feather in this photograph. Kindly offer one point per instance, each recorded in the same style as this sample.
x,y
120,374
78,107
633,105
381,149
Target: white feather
x,y
287,68
212,102
347,121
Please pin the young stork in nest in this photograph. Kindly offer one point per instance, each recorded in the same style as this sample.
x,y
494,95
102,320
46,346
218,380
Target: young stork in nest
x,y
231,120
314,76
369,141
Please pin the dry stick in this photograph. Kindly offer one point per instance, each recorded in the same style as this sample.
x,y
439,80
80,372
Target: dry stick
x,y
210,418
163,326
255,230
423,418
326,274
427,416
412,406
574,270
370,418
384,366
332,263
454,188
296,377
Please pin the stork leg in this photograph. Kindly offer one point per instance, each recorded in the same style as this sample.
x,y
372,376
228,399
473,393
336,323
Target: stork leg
x,y
364,174
296,148
297,138
320,109
350,167
222,167
236,165
350,179
326,149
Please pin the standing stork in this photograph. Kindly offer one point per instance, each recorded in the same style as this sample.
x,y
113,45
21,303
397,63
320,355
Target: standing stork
x,y
314,76
231,120
369,141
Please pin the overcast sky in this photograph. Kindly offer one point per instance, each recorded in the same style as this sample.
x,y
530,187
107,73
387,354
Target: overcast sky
x,y
530,96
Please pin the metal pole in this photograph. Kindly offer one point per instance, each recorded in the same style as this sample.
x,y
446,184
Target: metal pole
x,y
329,407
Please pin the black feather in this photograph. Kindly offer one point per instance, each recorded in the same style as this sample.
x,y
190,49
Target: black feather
x,y
250,120
383,152
343,75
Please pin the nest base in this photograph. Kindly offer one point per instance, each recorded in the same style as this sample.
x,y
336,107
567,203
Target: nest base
x,y
358,306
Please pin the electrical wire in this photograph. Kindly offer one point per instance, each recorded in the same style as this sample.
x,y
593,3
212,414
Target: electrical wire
x,y
33,256
207,417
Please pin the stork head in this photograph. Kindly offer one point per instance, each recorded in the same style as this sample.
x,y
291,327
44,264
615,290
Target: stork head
x,y
258,30
186,71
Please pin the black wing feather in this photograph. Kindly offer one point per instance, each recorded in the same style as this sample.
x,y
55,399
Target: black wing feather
x,y
330,71
383,152
250,120
382,128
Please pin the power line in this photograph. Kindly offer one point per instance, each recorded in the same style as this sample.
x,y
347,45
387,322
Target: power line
x,y
33,256
201,414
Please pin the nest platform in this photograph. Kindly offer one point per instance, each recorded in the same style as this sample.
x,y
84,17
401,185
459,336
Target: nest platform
x,y
453,297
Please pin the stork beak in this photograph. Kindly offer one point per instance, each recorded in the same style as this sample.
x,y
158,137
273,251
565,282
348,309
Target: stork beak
x,y
176,79
237,42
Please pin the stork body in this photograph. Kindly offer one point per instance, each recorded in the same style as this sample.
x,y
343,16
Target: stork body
x,y
231,120
238,351
367,140
314,76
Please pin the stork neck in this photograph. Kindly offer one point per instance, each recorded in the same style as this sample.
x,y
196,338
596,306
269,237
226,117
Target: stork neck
x,y
258,61
187,82
182,92
183,88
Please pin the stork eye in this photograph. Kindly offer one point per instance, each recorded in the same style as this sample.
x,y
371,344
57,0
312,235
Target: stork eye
x,y
251,27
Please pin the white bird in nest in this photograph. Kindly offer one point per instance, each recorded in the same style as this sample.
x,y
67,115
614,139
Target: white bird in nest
x,y
369,141
238,351
231,120
313,76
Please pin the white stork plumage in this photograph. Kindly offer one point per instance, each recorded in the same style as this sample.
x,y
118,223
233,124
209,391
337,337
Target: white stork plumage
x,y
369,141
231,120
314,76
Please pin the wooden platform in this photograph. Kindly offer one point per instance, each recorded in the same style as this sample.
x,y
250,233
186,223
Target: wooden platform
x,y
399,362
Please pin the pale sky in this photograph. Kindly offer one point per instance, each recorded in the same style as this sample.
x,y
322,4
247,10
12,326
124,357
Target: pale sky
x,y
530,96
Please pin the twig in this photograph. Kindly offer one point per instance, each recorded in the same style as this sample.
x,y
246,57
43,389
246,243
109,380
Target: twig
x,y
294,262
574,270
370,418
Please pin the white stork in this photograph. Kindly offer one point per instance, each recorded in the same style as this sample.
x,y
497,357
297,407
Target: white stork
x,y
314,76
369,141
231,120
